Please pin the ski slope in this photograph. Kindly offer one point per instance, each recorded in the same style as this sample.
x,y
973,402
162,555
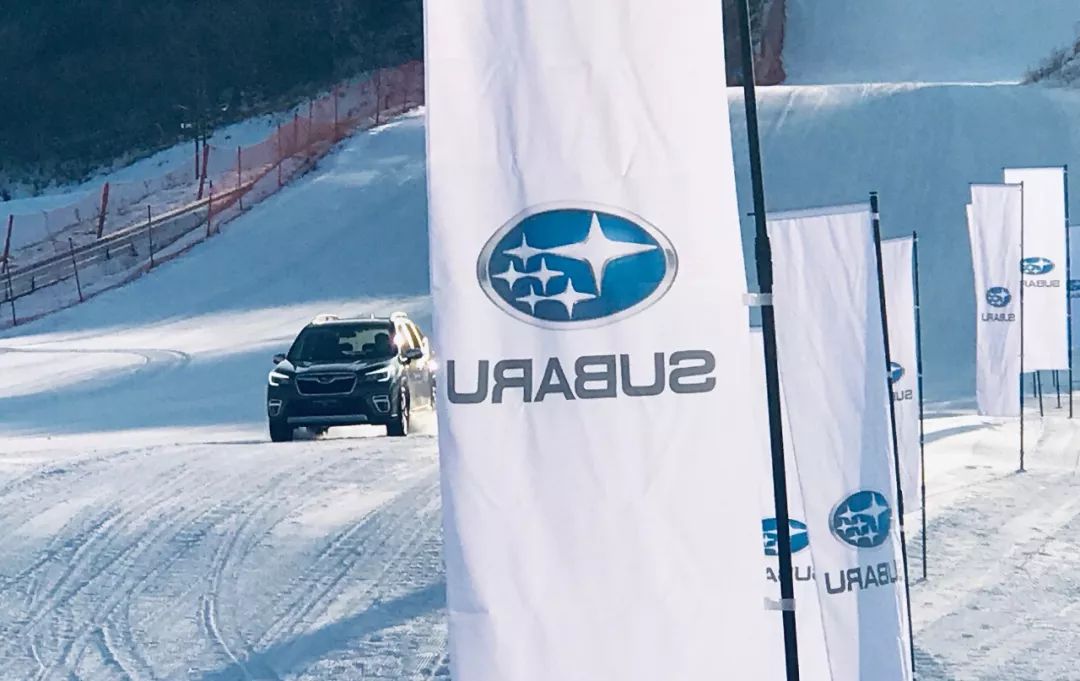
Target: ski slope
x,y
933,41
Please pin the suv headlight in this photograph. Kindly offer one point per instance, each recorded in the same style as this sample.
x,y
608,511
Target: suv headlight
x,y
378,376
278,378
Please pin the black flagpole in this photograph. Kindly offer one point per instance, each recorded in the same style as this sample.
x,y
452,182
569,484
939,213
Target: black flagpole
x,y
892,417
918,364
1021,330
763,260
1068,289
1057,387
1038,392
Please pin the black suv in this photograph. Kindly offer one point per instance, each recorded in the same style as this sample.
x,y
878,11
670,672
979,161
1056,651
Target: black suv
x,y
345,372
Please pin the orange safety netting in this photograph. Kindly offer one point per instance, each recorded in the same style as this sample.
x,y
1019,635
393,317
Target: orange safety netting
x,y
228,179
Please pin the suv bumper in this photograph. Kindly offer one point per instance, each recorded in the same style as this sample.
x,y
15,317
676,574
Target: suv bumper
x,y
358,408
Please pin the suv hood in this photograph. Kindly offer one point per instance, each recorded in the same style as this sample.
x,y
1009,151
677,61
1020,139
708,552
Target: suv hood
x,y
358,367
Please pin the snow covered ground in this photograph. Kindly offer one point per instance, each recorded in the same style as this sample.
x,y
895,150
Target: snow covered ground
x,y
152,532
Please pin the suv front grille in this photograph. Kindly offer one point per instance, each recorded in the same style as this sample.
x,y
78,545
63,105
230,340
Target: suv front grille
x,y
343,406
326,384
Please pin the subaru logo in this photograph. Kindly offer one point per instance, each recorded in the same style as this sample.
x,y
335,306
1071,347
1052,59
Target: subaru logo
x,y
799,538
896,372
1034,266
998,296
566,266
862,520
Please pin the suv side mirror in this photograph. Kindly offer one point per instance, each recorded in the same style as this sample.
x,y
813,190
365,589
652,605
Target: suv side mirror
x,y
279,358
412,354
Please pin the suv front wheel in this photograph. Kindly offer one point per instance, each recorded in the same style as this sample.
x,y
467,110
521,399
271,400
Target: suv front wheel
x,y
399,427
280,432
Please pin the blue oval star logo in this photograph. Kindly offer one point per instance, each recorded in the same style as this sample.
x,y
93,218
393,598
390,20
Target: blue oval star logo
x,y
1036,266
799,537
566,266
998,296
896,372
862,520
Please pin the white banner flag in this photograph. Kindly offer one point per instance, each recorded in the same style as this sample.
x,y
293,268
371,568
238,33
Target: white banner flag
x,y
994,223
813,654
898,264
601,518
1046,339
832,369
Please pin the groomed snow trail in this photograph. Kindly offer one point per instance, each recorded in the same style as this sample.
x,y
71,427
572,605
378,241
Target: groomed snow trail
x,y
224,560
1000,600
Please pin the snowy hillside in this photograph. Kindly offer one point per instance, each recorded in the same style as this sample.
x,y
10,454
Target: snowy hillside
x,y
942,109
934,41
919,146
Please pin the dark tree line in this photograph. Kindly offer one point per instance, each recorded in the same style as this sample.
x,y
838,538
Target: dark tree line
x,y
84,82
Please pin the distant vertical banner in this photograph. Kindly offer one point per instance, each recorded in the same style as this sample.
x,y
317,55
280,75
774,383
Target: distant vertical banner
x,y
898,263
813,653
1043,266
995,221
601,516
832,373
1074,280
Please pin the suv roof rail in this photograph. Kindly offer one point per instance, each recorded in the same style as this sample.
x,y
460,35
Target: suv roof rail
x,y
323,318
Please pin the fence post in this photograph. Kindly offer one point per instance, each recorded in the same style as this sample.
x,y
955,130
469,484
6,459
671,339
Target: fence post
x,y
75,266
378,94
150,236
210,210
202,175
7,239
239,177
11,297
104,210
280,155
336,97
196,157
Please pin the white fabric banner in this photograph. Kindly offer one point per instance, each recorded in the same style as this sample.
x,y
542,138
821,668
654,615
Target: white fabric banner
x,y
813,654
601,520
1046,326
832,368
994,223
898,265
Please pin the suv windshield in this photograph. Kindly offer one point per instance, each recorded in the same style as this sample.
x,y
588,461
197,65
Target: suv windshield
x,y
344,343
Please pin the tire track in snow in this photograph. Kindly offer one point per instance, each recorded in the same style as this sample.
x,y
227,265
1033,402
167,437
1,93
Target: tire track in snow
x,y
1002,574
258,514
248,508
60,601
93,569
227,552
364,542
